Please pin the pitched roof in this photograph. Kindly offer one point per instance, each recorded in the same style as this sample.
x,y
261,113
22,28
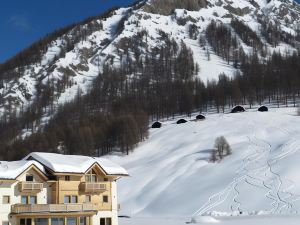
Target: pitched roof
x,y
11,170
59,163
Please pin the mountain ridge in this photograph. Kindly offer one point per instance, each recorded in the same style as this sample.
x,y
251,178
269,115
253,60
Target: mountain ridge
x,y
235,8
207,45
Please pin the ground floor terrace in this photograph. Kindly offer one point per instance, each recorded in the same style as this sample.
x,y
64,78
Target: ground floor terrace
x,y
61,214
61,220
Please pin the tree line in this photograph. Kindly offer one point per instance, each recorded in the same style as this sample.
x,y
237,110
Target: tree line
x,y
149,84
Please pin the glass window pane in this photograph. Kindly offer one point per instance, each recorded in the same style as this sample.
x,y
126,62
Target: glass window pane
x,y
87,178
67,199
88,198
102,221
108,221
6,199
24,200
83,221
71,221
41,221
74,199
29,178
28,221
57,221
22,222
33,200
105,198
94,178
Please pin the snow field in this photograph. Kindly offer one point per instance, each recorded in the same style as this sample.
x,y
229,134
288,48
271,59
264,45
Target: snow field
x,y
172,176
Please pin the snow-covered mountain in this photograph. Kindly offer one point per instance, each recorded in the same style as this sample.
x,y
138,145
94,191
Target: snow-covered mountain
x,y
71,60
172,175
171,171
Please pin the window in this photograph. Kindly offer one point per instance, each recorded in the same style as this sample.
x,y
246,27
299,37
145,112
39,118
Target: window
x,y
33,200
105,221
24,199
27,199
25,221
67,178
5,223
6,199
108,221
102,221
105,198
105,179
87,178
91,177
82,221
74,199
41,221
88,198
29,178
57,221
67,199
71,221
94,178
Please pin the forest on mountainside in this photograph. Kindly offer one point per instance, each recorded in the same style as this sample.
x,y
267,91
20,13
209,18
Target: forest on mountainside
x,y
162,83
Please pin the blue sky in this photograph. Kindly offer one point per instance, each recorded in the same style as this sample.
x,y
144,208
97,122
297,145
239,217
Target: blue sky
x,y
24,21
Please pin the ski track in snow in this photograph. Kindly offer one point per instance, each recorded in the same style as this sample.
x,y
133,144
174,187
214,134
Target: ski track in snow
x,y
260,177
270,180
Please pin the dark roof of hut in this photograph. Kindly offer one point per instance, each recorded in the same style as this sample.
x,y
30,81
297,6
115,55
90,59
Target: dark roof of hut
x,y
156,125
237,109
181,121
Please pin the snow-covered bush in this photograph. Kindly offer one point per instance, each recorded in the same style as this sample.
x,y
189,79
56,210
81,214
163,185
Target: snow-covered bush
x,y
221,149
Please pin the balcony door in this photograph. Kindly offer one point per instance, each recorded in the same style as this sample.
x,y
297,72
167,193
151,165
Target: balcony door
x,y
25,221
41,221
71,221
57,221
105,221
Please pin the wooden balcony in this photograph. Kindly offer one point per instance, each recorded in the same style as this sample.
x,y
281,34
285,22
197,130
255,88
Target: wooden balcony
x,y
30,187
93,187
53,208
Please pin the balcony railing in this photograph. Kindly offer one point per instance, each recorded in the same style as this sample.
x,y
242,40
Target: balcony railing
x,y
93,187
53,208
30,186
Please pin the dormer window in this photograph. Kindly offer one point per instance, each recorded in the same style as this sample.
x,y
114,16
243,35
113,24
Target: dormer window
x,y
91,177
29,178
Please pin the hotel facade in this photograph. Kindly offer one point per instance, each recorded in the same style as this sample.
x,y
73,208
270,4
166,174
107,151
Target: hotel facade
x,y
54,189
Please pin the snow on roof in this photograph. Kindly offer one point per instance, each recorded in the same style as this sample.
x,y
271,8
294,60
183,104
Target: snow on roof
x,y
111,167
59,163
11,170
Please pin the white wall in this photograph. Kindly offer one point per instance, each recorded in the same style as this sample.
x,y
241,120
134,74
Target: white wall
x,y
7,188
109,214
11,188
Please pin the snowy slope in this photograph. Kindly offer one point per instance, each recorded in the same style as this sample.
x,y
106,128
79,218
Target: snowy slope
x,y
172,176
248,220
83,63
